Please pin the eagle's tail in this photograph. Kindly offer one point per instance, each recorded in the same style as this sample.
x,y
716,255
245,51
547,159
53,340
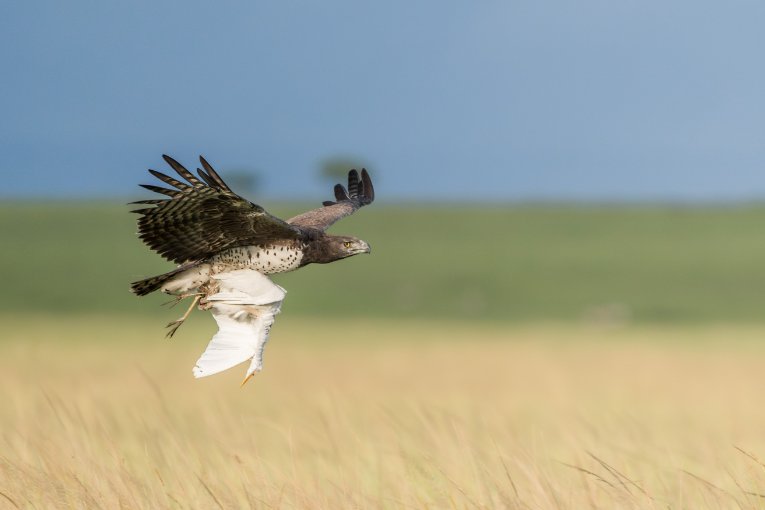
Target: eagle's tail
x,y
149,285
184,278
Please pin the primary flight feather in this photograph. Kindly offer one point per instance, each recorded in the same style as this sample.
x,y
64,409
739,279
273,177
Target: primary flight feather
x,y
225,246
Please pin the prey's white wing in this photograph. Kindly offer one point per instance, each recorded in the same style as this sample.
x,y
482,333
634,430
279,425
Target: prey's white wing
x,y
244,308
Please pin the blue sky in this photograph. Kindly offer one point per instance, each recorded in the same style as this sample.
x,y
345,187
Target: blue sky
x,y
507,100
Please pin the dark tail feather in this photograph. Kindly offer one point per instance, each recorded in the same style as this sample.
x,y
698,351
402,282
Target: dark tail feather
x,y
149,285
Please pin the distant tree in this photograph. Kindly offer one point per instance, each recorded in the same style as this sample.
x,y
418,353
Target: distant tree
x,y
335,168
243,181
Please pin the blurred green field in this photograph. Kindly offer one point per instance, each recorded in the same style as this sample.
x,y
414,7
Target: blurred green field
x,y
504,263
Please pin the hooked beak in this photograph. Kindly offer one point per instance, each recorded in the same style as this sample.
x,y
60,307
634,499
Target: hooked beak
x,y
364,248
246,378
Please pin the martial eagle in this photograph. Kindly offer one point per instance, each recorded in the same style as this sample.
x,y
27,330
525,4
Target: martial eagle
x,y
226,246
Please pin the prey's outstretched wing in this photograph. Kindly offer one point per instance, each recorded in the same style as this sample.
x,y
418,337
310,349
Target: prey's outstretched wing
x,y
360,192
244,308
203,217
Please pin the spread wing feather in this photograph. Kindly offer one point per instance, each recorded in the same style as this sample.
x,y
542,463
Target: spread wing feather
x,y
212,175
206,178
360,192
203,217
160,190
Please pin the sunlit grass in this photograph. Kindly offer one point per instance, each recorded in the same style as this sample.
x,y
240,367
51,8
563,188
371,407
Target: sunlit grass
x,y
101,412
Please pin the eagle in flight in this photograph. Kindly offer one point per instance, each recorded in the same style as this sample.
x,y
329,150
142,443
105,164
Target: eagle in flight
x,y
226,246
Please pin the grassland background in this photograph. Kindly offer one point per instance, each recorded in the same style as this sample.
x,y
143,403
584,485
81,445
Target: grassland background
x,y
522,263
100,413
560,357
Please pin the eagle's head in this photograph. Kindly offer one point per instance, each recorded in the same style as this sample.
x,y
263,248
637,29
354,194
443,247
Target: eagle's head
x,y
331,248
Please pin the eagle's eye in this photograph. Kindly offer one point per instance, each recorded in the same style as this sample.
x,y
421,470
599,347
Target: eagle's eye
x,y
347,244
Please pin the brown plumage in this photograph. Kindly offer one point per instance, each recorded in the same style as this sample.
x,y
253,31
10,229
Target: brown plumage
x,y
359,194
202,221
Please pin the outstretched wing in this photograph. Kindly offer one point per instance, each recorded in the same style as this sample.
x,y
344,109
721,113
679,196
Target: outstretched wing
x,y
360,192
244,308
203,217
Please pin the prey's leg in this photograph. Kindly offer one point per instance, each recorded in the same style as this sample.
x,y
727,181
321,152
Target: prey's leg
x,y
177,323
177,299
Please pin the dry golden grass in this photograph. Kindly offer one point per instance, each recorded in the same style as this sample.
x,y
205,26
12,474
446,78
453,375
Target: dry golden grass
x,y
101,413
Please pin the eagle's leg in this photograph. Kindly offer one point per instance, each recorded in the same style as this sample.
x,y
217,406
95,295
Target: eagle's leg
x,y
177,323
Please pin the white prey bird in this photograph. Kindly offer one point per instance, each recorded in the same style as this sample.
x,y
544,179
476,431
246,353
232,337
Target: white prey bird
x,y
244,308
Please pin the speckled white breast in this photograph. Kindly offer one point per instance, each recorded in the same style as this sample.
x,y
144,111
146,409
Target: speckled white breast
x,y
264,259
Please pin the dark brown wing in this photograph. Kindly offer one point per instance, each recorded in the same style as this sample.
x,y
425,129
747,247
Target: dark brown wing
x,y
203,217
360,192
